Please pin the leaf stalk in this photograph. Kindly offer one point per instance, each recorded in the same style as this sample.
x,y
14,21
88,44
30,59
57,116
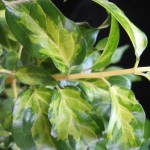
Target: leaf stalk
x,y
14,87
4,71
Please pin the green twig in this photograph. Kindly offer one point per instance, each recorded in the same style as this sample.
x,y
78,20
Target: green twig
x,y
102,74
4,71
14,87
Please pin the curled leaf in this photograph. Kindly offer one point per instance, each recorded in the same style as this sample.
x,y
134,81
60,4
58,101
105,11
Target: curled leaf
x,y
138,38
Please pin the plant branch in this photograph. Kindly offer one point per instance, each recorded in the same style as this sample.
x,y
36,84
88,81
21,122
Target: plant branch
x,y
7,72
102,74
14,87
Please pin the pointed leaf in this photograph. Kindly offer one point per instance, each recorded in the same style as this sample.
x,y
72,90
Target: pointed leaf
x,y
31,127
126,125
33,75
71,115
46,32
138,38
102,44
118,54
97,93
146,75
111,46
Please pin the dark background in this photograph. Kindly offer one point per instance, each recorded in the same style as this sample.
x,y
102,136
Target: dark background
x,y
138,12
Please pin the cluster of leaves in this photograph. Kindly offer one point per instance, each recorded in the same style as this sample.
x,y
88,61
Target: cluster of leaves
x,y
36,42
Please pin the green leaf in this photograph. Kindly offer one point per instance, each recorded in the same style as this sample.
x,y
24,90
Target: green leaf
x,y
3,134
106,23
49,66
98,145
120,81
91,88
111,46
61,145
118,54
71,115
95,88
65,83
126,125
146,145
90,34
26,59
6,39
147,129
96,91
33,75
6,108
138,38
146,75
102,44
46,32
23,121
31,128
87,63
1,5
11,60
